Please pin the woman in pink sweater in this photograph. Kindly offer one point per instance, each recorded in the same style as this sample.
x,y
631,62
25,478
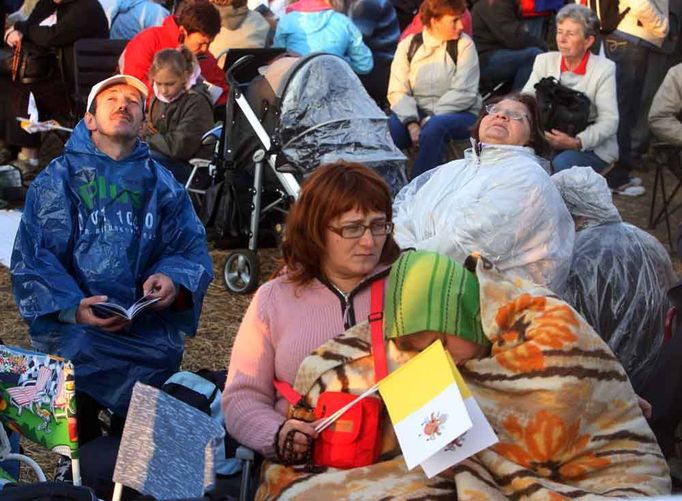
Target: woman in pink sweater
x,y
329,261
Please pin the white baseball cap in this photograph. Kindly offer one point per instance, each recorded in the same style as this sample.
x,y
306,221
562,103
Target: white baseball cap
x,y
117,79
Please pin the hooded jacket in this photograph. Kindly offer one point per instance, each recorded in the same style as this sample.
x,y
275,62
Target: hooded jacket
x,y
240,28
96,226
139,53
181,124
313,26
75,19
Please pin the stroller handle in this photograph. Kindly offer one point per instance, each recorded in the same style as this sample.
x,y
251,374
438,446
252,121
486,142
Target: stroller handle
x,y
242,61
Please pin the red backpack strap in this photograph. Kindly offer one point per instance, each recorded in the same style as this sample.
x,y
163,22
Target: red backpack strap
x,y
287,392
376,323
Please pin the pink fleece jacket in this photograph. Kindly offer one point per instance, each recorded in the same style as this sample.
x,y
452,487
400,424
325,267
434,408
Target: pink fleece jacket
x,y
282,326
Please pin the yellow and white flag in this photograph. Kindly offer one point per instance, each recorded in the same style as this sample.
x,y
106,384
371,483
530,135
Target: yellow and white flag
x,y
425,404
479,437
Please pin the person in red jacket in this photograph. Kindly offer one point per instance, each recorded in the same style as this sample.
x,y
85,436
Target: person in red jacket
x,y
195,25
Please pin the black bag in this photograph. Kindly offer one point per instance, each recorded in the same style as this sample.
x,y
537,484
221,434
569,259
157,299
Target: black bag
x,y
33,63
562,108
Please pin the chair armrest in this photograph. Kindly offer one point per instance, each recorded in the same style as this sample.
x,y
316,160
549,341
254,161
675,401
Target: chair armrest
x,y
245,454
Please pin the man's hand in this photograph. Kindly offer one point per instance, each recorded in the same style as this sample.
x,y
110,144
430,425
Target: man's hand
x,y
13,37
414,129
561,141
85,316
159,285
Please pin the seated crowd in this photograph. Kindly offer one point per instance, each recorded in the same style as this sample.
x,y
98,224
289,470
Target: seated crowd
x,y
430,81
551,306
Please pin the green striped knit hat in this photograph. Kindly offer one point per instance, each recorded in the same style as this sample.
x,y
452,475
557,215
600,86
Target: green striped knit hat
x,y
431,292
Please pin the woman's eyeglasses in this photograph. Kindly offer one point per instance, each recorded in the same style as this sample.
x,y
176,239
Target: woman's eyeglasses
x,y
491,109
377,229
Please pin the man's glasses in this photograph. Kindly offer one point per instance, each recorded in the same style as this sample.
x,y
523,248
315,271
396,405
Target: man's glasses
x,y
377,229
492,109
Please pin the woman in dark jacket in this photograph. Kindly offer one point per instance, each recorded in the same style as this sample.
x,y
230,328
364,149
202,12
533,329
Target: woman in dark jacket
x,y
506,47
54,25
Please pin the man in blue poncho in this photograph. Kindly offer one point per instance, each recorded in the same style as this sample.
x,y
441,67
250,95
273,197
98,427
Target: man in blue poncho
x,y
106,222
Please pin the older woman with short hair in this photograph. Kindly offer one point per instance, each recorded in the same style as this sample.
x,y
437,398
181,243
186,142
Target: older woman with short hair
x,y
575,67
498,200
433,88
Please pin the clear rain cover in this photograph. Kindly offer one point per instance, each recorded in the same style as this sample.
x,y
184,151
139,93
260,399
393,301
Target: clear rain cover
x,y
619,275
326,115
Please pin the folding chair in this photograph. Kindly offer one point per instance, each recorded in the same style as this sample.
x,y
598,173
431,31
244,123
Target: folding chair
x,y
168,447
37,400
664,156
94,59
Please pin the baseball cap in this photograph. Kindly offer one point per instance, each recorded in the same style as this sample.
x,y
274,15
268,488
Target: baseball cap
x,y
117,79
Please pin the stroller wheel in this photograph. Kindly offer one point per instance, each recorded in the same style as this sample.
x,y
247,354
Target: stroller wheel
x,y
241,271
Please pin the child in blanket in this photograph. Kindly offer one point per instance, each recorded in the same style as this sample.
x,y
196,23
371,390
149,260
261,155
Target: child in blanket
x,y
431,297
561,404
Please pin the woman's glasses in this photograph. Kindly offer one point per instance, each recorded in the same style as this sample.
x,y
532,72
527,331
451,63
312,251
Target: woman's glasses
x,y
492,109
377,229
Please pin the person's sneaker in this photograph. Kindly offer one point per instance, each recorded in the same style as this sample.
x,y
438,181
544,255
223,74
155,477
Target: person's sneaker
x,y
629,191
635,181
63,473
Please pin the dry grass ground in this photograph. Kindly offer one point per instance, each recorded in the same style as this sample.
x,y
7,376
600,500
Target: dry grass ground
x,y
222,312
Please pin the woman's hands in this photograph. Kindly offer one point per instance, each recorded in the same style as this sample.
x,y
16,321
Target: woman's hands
x,y
303,434
561,141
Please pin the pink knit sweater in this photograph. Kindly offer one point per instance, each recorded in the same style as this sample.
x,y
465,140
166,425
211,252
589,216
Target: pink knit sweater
x,y
282,326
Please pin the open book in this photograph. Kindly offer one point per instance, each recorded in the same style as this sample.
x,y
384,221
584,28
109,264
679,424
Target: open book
x,y
106,310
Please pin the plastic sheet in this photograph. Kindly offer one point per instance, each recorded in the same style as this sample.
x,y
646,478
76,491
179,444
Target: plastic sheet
x,y
93,226
500,203
619,276
326,115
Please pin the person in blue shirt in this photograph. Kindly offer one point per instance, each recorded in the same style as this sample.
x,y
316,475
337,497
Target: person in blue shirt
x,y
313,26
128,17
106,222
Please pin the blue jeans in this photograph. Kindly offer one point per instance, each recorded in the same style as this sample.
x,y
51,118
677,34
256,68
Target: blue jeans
x,y
630,55
570,158
503,65
433,139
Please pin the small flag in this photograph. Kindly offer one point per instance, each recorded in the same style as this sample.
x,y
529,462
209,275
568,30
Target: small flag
x,y
425,404
479,437
32,109
32,126
168,447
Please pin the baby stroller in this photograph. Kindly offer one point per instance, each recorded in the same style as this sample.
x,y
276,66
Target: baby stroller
x,y
297,114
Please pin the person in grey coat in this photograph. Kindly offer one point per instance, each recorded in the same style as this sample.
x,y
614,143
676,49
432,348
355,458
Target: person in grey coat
x,y
180,111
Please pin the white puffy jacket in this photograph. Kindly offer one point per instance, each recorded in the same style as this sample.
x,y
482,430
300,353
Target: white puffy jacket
x,y
499,202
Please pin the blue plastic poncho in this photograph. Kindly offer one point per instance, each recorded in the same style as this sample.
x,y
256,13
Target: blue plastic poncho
x,y
93,225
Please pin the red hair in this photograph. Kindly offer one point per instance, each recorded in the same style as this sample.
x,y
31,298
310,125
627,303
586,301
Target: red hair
x,y
331,191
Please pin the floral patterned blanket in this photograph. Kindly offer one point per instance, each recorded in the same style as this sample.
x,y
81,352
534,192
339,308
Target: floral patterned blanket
x,y
560,402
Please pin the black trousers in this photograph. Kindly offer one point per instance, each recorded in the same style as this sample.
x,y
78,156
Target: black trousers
x,y
663,390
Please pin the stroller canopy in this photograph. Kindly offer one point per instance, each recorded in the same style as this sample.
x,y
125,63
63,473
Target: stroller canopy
x,y
326,115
